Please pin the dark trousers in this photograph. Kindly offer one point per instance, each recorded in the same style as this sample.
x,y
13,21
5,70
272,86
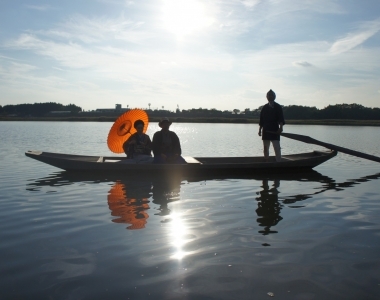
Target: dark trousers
x,y
171,159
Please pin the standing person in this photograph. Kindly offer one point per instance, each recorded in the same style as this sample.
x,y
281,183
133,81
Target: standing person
x,y
166,145
139,146
271,119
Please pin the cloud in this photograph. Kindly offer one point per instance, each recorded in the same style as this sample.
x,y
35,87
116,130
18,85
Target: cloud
x,y
128,56
135,71
21,68
320,6
68,54
91,30
38,7
302,64
239,17
250,3
7,57
352,40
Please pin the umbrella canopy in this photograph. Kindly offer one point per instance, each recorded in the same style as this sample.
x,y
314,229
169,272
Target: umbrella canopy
x,y
123,128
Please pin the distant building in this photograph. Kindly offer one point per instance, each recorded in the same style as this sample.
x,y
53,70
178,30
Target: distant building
x,y
105,110
117,109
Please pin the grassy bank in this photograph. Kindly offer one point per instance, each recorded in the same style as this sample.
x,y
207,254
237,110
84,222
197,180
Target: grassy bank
x,y
336,122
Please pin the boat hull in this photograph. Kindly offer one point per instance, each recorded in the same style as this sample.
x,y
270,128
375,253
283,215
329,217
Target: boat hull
x,y
83,163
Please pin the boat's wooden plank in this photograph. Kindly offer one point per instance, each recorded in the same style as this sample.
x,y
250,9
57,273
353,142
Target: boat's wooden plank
x,y
191,160
284,158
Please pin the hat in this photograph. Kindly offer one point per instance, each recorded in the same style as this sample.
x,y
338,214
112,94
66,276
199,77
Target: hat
x,y
271,96
163,120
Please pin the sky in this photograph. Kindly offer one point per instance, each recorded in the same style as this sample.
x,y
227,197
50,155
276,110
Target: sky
x,y
222,54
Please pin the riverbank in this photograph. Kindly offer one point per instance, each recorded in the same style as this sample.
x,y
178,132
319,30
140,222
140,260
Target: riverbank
x,y
337,122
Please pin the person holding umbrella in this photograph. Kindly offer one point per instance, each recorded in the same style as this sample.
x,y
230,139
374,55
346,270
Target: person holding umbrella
x,y
139,146
166,145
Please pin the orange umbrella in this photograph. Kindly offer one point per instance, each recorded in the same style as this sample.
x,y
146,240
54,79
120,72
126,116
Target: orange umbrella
x,y
123,128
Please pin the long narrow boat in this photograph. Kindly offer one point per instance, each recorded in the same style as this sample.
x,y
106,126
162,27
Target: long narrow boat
x,y
200,165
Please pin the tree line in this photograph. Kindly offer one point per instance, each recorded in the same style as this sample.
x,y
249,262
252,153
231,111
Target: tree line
x,y
338,111
296,112
291,112
38,109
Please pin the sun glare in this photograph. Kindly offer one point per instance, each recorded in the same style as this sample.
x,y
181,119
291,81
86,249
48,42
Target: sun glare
x,y
183,17
178,231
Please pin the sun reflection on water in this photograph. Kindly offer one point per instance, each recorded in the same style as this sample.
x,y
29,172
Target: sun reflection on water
x,y
178,231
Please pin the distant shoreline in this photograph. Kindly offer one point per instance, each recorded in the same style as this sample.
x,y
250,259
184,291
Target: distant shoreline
x,y
337,122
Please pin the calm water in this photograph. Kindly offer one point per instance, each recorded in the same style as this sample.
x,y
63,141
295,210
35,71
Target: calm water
x,y
68,236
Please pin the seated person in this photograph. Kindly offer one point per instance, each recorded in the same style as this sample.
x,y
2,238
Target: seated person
x,y
166,145
139,146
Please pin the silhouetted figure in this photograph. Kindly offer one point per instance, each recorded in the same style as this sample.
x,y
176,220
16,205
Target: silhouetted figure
x,y
166,145
271,119
268,210
139,146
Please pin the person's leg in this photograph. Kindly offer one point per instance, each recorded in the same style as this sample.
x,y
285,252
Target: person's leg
x,y
277,149
266,144
128,161
174,159
181,160
158,160
143,159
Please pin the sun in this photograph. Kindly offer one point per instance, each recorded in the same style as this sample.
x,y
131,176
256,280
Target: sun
x,y
183,17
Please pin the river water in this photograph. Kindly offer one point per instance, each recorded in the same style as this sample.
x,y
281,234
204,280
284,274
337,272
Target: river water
x,y
313,235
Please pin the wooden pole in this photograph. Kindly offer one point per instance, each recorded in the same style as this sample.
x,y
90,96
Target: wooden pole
x,y
309,140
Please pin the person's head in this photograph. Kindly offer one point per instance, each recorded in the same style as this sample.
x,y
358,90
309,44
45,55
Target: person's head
x,y
139,125
164,123
271,96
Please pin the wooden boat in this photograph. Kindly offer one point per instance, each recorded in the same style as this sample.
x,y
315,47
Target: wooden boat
x,y
194,165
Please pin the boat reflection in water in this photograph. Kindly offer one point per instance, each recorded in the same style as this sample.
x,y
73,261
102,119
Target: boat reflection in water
x,y
129,199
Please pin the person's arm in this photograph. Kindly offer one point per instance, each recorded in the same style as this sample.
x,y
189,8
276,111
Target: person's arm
x,y
177,145
281,120
148,142
280,129
128,146
156,144
261,121
147,145
260,129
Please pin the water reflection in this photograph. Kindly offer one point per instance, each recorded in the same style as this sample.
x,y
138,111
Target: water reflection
x,y
129,200
177,235
268,206
164,192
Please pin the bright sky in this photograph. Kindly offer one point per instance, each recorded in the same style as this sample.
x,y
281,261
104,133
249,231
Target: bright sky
x,y
222,54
